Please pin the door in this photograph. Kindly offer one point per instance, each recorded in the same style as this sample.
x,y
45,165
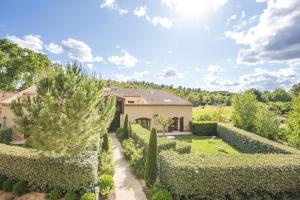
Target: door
x,y
181,128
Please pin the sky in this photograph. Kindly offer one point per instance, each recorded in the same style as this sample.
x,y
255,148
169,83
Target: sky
x,y
229,45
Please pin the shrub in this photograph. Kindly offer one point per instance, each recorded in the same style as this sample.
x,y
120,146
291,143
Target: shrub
x,y
204,128
217,176
2,180
126,131
137,163
70,196
88,196
120,134
156,187
106,160
151,161
128,148
106,185
162,195
20,188
183,147
248,142
8,185
294,123
6,135
55,194
43,171
105,144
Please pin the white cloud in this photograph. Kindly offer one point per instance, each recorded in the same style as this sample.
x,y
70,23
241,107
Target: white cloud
x,y
213,73
261,1
276,36
137,76
170,73
140,11
80,51
32,42
125,60
112,4
91,66
230,19
54,48
162,21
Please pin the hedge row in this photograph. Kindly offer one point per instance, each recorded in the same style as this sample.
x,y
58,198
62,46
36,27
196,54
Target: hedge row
x,y
204,128
195,176
44,172
6,135
248,142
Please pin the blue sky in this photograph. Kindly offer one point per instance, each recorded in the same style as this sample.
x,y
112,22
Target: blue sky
x,y
215,45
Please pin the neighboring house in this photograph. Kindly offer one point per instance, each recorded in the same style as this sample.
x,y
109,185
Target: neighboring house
x,y
143,105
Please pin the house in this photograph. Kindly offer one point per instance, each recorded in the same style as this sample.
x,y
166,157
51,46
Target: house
x,y
143,105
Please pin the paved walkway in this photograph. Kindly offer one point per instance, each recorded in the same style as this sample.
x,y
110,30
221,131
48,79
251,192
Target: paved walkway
x,y
126,185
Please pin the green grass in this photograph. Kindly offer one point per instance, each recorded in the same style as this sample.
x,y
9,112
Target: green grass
x,y
212,113
200,144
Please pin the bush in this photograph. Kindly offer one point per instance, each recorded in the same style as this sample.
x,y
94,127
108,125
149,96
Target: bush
x,y
248,142
162,195
6,135
151,161
9,184
106,159
204,128
70,196
128,148
43,171
217,176
106,185
126,128
156,187
105,144
2,180
183,147
120,134
55,194
20,188
88,196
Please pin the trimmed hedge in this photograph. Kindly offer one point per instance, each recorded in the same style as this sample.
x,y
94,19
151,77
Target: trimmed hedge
x,y
248,142
197,176
6,135
204,128
183,147
44,172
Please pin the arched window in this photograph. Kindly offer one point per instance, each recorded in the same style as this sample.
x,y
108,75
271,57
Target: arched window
x,y
144,122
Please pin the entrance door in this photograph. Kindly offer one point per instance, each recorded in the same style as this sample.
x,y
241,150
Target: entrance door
x,y
181,128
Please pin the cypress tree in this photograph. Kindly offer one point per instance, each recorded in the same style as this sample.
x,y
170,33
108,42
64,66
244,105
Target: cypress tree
x,y
129,131
105,144
151,161
126,132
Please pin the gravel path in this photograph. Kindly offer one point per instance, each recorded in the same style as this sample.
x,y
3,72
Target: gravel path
x,y
127,187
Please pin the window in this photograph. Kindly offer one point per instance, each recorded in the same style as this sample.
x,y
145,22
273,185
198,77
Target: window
x,y
144,122
130,101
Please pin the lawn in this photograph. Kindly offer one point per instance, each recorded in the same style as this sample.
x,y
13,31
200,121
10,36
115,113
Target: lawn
x,y
201,144
212,113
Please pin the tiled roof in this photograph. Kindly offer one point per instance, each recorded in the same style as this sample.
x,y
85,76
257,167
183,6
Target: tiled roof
x,y
29,91
151,96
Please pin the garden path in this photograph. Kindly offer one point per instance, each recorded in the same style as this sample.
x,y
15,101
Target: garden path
x,y
126,185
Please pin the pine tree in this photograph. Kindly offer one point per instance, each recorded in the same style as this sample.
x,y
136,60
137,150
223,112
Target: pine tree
x,y
126,131
151,161
105,144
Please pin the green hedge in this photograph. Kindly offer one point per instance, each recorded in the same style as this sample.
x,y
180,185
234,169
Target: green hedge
x,y
183,147
204,128
248,142
196,176
6,135
47,171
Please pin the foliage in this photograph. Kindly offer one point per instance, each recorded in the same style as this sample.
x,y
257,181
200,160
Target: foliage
x,y
88,196
6,135
2,180
204,128
129,130
20,188
266,123
218,176
248,142
70,196
55,194
212,113
183,147
164,121
20,67
294,123
106,185
151,160
43,171
106,165
120,134
279,94
244,110
9,184
156,187
162,195
67,113
280,108
296,89
126,127
105,144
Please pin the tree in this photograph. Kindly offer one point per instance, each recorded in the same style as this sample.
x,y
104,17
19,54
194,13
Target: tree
x,y
105,143
164,121
257,93
68,112
266,122
126,128
244,111
279,94
294,123
151,160
129,130
295,89
20,67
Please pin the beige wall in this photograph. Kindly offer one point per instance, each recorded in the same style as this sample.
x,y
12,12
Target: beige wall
x,y
139,111
137,100
10,116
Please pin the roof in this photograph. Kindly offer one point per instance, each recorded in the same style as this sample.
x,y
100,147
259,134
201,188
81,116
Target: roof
x,y
16,95
151,96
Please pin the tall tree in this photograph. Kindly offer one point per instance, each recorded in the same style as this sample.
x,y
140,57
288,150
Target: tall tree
x,y
164,121
20,67
151,160
68,112
294,123
296,89
126,127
